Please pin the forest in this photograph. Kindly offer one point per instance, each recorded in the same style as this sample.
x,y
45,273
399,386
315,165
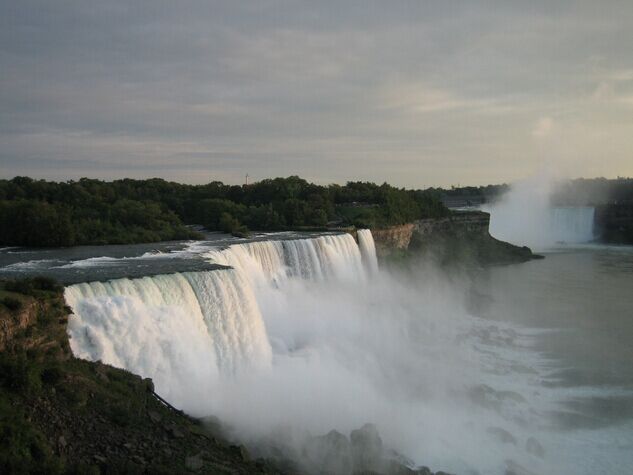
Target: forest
x,y
89,211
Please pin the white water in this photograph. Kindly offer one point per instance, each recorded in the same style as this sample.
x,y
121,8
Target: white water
x,y
325,257
368,249
177,329
525,216
304,336
188,330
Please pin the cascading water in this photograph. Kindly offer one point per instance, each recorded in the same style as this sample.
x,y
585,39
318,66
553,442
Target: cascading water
x,y
174,328
526,216
572,224
304,336
368,249
325,257
542,228
200,326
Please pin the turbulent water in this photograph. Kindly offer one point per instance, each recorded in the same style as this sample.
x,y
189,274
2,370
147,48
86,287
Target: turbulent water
x,y
576,306
469,374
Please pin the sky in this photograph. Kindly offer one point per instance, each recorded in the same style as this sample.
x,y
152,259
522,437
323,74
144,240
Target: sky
x,y
415,93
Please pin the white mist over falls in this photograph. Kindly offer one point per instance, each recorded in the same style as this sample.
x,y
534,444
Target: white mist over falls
x,y
526,216
299,337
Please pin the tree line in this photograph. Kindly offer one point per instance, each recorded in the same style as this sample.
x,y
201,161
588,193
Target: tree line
x,y
576,192
89,211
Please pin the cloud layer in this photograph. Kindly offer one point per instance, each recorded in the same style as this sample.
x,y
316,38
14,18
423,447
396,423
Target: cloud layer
x,y
414,93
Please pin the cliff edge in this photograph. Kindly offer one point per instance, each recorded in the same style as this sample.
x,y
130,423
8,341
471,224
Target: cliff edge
x,y
461,237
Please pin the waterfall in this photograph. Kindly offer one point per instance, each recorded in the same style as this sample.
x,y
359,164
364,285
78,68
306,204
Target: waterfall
x,y
572,224
526,216
189,330
368,249
321,258
542,227
176,329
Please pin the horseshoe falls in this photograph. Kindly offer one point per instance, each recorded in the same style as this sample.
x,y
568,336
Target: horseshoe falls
x,y
526,216
543,227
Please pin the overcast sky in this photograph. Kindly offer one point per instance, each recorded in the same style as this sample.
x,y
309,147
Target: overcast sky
x,y
416,93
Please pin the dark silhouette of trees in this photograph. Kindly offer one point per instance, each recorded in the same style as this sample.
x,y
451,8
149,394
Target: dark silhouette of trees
x,y
88,211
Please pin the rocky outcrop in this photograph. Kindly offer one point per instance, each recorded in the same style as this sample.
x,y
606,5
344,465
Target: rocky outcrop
x,y
465,224
29,323
460,237
392,238
362,453
13,322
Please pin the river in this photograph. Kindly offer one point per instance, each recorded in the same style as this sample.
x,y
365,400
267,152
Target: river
x,y
525,365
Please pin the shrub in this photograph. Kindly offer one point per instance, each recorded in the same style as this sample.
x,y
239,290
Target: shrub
x,y
12,303
46,283
20,286
29,286
52,375
18,374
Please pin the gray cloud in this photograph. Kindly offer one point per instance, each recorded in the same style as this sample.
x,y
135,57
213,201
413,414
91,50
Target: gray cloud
x,y
414,93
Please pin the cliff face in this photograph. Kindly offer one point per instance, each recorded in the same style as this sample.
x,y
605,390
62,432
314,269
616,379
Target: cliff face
x,y
460,223
14,322
389,239
460,237
33,322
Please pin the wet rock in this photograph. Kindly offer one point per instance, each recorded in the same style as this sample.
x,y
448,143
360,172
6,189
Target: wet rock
x,y
149,385
154,416
244,455
330,453
102,374
501,435
194,462
534,447
174,432
367,450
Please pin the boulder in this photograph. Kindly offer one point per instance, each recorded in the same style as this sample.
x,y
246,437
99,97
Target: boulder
x,y
367,449
330,453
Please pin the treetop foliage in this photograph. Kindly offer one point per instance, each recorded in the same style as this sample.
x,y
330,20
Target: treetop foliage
x,y
89,211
